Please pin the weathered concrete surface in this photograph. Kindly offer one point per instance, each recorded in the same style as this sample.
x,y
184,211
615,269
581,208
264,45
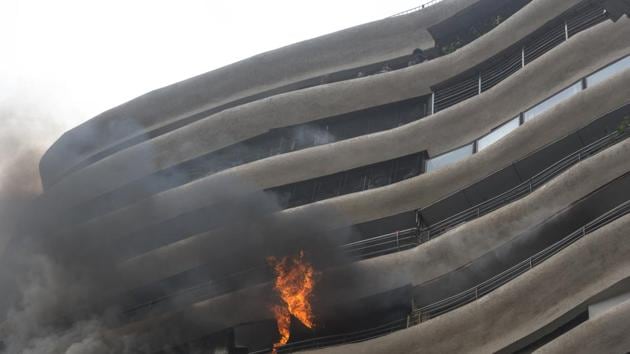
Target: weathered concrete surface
x,y
596,47
607,333
444,254
358,207
533,300
365,44
528,303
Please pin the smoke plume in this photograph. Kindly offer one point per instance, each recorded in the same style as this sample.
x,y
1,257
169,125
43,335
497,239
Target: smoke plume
x,y
52,287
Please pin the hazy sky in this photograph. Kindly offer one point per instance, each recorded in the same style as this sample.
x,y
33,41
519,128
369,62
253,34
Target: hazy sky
x,y
68,60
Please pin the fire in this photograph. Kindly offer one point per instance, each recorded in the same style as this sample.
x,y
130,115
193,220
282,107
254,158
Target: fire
x,y
295,279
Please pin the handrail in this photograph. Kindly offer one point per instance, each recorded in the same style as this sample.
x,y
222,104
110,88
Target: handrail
x,y
408,238
524,188
445,305
417,8
412,237
448,304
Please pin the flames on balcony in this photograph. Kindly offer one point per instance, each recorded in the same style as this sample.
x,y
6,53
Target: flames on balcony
x,y
295,279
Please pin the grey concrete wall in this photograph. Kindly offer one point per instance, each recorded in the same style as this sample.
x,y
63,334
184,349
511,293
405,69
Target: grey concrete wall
x,y
601,307
365,44
568,280
607,333
455,249
252,119
359,207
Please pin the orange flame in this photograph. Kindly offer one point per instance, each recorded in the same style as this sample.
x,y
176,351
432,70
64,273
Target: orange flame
x,y
294,283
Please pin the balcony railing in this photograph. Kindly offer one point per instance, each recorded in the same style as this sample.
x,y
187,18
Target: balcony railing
x,y
451,93
409,238
417,8
438,308
429,232
403,239
427,312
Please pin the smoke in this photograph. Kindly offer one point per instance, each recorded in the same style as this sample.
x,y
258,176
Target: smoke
x,y
37,290
52,287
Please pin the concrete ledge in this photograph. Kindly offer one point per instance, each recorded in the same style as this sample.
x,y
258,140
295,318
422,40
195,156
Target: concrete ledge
x,y
450,251
531,301
366,44
252,119
607,333
393,199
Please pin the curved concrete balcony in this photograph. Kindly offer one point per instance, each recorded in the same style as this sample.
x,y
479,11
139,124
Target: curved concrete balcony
x,y
618,225
288,68
534,300
430,133
395,241
400,197
324,101
439,256
607,333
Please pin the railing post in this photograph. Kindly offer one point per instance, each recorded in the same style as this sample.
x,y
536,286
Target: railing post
x,y
476,293
408,320
398,240
530,185
530,263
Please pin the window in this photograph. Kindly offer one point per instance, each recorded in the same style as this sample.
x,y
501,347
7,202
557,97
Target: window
x,y
608,71
407,167
497,134
354,181
379,175
449,157
302,193
329,186
552,101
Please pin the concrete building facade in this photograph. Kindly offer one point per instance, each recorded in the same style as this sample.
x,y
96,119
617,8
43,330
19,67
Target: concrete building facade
x,y
461,172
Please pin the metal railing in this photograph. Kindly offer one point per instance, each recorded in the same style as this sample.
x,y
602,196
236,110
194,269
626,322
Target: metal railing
x,y
383,244
411,237
417,8
346,338
446,305
465,297
464,88
521,190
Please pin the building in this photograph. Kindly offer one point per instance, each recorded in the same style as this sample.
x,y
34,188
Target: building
x,y
474,152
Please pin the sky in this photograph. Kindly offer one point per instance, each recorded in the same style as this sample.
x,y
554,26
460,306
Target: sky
x,y
65,61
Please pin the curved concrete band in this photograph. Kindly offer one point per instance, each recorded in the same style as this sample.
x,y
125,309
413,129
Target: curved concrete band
x,y
454,249
302,106
607,333
401,141
407,195
367,44
535,299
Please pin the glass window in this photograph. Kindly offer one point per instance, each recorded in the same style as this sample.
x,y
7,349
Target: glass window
x,y
552,101
497,134
608,71
407,167
379,175
354,181
329,186
449,157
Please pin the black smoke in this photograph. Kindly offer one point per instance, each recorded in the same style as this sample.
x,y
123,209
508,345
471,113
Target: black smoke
x,y
57,291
